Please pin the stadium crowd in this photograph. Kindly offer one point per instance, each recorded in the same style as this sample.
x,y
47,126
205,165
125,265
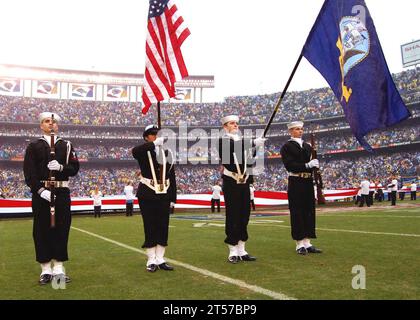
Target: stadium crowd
x,y
203,150
122,121
336,174
308,104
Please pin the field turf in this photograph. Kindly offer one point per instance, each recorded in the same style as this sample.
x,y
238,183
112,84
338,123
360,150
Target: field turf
x,y
107,262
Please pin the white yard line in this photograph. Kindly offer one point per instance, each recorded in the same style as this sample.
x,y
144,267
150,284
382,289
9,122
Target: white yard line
x,y
236,282
204,224
363,232
322,229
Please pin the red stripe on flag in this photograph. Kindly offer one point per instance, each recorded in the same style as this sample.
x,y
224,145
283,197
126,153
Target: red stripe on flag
x,y
180,59
178,22
157,68
153,86
170,72
155,39
176,46
184,35
146,102
172,10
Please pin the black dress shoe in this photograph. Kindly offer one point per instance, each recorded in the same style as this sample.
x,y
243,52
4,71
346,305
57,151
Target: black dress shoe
x,y
233,259
247,257
151,267
302,251
45,279
165,266
312,249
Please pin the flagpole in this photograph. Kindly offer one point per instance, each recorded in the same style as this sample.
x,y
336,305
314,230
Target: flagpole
x,y
161,177
158,115
276,108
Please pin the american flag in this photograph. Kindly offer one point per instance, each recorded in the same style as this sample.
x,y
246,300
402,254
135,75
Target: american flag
x,y
166,31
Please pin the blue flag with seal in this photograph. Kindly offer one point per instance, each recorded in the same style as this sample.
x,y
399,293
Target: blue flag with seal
x,y
344,47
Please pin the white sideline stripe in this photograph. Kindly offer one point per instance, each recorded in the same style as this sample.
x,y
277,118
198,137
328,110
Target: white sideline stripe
x,y
239,283
363,216
364,232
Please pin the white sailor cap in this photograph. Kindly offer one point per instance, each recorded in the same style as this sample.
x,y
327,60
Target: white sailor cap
x,y
46,115
229,118
150,129
295,124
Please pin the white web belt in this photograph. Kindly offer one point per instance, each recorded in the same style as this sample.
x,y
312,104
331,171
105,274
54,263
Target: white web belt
x,y
240,177
158,188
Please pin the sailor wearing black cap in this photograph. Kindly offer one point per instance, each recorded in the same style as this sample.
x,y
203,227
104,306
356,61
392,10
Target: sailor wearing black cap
x,y
156,193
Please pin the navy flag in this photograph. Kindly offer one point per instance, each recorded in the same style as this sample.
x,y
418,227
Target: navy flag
x,y
344,47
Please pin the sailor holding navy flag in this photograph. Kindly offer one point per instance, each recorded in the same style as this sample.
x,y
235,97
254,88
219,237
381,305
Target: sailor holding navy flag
x,y
156,193
50,242
235,154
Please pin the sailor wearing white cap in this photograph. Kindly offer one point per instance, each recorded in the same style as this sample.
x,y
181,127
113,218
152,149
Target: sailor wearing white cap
x,y
230,118
236,180
296,156
50,243
45,115
156,194
295,124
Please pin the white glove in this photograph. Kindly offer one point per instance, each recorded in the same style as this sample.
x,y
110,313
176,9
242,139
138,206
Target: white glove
x,y
54,165
46,194
313,163
172,205
259,142
159,141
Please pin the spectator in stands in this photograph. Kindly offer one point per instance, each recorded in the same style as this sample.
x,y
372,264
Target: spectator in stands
x,y
50,241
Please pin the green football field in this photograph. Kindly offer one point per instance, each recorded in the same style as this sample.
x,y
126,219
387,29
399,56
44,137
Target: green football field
x,y
378,249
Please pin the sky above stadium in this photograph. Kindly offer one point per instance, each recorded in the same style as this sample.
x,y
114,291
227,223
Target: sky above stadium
x,y
249,46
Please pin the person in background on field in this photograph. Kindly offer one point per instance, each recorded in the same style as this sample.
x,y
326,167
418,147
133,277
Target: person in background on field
x,y
97,201
364,188
413,189
129,199
215,197
252,196
393,187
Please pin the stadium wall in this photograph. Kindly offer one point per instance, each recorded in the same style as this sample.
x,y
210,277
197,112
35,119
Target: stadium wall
x,y
184,201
